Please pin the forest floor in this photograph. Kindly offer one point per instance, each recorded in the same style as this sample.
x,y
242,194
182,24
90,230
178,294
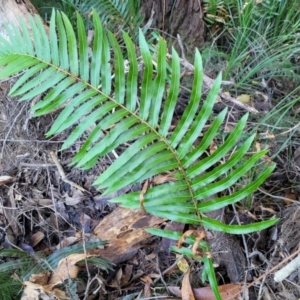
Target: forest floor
x,y
45,204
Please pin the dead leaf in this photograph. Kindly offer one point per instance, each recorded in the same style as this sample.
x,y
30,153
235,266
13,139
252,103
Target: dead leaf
x,y
76,197
147,288
116,282
182,264
212,148
227,292
34,291
187,292
258,147
244,98
143,192
291,196
67,268
36,238
41,279
160,179
67,241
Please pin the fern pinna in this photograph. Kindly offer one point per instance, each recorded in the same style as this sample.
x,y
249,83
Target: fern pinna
x,y
93,90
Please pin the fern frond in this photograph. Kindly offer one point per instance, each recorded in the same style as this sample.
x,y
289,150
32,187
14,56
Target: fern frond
x,y
94,91
70,74
117,15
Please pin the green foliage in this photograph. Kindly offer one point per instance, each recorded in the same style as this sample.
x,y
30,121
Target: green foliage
x,y
259,40
97,94
116,15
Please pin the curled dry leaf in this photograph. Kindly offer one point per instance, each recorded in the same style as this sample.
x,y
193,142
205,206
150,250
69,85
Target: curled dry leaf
x,y
147,288
160,179
143,192
36,238
67,268
41,279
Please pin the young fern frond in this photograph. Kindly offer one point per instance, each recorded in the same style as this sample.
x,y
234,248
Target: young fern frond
x,y
94,91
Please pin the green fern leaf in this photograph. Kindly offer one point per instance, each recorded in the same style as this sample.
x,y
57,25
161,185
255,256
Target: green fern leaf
x,y
108,100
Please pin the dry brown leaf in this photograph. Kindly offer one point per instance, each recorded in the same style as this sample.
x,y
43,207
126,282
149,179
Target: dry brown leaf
x,y
186,291
212,148
116,282
291,196
41,279
34,291
67,241
147,288
67,268
36,238
160,179
143,192
227,292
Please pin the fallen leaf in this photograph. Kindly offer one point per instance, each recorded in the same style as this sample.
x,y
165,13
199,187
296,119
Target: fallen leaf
x,y
182,264
244,98
212,148
34,291
41,279
147,288
160,179
187,292
67,241
290,196
76,197
227,292
36,238
143,192
67,268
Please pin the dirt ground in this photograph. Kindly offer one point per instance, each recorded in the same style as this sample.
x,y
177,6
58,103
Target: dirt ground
x,y
45,204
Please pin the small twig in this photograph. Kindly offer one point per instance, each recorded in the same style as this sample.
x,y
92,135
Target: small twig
x,y
36,165
168,269
181,46
277,197
288,131
287,270
63,175
267,273
261,256
32,141
240,104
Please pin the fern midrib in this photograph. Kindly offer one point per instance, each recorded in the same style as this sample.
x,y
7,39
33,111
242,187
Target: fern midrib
x,y
152,129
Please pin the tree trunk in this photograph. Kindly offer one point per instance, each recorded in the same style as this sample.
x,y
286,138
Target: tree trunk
x,y
12,10
183,17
